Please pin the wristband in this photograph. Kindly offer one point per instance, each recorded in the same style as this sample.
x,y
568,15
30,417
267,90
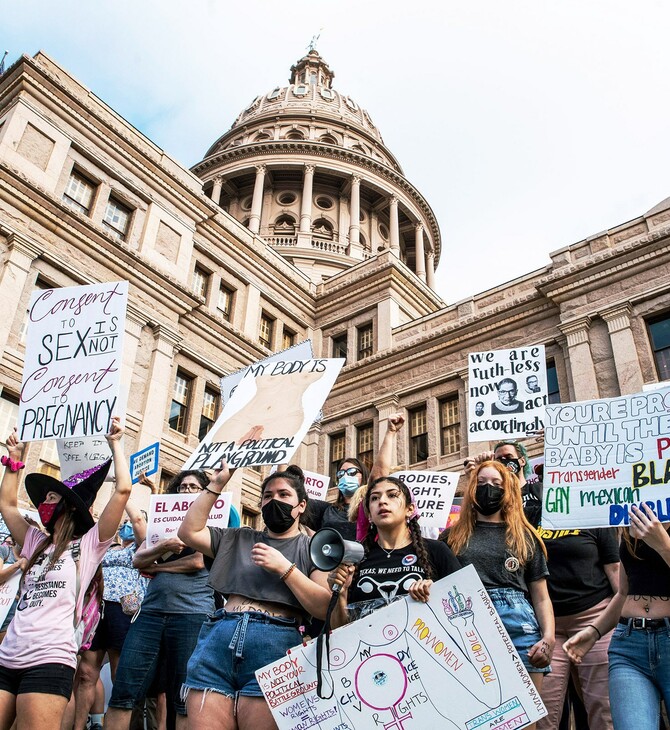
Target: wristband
x,y
211,491
287,572
11,464
595,628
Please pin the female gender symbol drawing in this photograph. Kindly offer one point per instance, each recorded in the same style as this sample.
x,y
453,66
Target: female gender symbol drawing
x,y
381,682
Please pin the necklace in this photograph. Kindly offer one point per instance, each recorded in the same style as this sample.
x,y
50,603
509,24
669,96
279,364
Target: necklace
x,y
388,552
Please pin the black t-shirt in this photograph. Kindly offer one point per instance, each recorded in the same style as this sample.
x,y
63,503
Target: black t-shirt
x,y
531,496
495,564
648,574
324,514
577,579
383,578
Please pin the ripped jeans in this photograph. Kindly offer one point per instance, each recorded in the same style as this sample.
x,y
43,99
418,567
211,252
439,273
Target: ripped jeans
x,y
232,646
518,618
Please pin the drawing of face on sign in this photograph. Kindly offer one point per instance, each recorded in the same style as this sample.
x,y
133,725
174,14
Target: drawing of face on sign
x,y
275,411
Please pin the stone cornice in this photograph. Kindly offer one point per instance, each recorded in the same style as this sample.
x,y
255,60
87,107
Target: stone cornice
x,y
617,317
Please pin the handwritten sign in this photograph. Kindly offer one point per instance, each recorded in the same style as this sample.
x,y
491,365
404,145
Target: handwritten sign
x,y
507,393
144,462
410,666
73,358
268,415
602,456
8,591
301,351
433,493
77,455
167,512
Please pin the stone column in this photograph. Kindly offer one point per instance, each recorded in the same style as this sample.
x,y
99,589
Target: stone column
x,y
216,190
257,200
627,364
306,202
355,219
343,220
394,227
420,256
160,385
584,381
135,320
20,256
430,269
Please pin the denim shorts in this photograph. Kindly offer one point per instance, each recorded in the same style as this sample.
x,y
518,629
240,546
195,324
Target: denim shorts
x,y
518,618
50,679
232,646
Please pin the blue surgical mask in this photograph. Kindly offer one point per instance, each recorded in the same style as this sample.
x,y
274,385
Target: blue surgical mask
x,y
126,532
348,485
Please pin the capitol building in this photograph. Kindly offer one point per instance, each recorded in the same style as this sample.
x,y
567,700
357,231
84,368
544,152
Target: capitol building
x,y
298,224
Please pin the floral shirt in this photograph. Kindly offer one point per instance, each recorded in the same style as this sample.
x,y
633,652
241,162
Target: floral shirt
x,y
119,575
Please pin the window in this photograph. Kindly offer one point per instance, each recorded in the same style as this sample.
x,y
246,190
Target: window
x,y
418,435
210,403
42,286
266,330
340,345
337,447
365,444
450,425
288,339
249,518
553,394
180,402
49,459
9,413
225,302
79,192
166,478
199,283
117,218
365,341
659,332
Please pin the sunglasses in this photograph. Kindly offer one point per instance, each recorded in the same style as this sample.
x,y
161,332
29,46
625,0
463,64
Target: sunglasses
x,y
350,472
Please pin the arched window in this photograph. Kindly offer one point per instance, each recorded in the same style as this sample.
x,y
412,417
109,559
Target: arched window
x,y
284,225
322,228
295,134
262,136
328,139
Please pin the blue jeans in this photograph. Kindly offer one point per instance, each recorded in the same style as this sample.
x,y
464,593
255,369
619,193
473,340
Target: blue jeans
x,y
173,636
639,675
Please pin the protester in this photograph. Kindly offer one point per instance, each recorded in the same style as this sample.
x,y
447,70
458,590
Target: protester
x,y
123,591
351,475
639,651
270,584
583,577
398,560
514,456
493,534
38,657
165,632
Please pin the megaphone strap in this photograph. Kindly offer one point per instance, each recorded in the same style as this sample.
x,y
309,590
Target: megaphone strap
x,y
324,637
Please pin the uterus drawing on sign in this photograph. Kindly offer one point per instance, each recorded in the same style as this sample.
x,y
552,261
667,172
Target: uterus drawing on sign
x,y
274,411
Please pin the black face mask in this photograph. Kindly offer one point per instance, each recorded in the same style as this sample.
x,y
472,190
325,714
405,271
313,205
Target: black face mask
x,y
277,516
511,463
488,499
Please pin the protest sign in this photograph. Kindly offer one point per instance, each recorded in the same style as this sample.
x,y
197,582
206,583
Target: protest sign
x,y
301,351
8,591
144,462
73,359
602,456
77,455
167,512
507,393
268,415
316,485
433,493
446,663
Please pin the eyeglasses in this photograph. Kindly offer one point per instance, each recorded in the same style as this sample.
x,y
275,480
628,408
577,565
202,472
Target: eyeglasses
x,y
350,472
190,488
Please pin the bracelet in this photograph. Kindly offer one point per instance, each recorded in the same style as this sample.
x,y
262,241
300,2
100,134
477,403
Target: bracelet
x,y
211,491
11,464
595,628
287,572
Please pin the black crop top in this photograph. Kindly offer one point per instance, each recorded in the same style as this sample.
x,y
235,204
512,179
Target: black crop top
x,y
648,574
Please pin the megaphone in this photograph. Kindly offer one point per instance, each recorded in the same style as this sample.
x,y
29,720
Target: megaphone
x,y
328,549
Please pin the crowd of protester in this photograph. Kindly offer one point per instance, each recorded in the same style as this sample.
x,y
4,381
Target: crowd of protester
x,y
188,620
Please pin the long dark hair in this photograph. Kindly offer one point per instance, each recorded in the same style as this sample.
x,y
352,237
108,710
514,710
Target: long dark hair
x,y
294,476
364,476
418,543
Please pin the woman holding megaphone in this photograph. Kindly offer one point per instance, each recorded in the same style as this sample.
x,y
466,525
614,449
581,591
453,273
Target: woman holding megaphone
x,y
398,560
271,586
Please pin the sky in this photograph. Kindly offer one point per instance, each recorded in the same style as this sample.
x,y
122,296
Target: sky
x,y
528,125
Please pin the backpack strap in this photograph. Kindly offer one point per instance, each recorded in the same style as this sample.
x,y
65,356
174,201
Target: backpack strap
x,y
75,548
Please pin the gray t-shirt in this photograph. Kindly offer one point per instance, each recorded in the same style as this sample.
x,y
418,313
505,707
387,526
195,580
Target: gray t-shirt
x,y
233,572
495,564
179,592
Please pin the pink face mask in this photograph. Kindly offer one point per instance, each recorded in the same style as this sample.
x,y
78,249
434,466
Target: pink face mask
x,y
46,512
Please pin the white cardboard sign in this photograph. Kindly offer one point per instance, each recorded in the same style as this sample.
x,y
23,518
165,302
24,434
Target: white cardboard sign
x,y
167,512
433,493
8,592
